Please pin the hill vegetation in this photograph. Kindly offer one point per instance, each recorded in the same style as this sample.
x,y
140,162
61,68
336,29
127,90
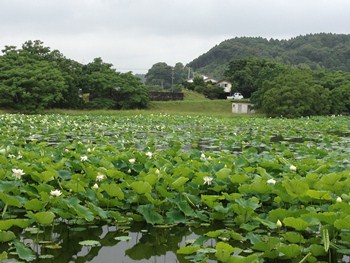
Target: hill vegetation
x,y
316,51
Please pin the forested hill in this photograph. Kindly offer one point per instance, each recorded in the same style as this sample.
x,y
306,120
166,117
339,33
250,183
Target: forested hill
x,y
324,50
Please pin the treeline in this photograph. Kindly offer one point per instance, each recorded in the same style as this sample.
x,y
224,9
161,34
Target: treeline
x,y
316,51
33,78
292,91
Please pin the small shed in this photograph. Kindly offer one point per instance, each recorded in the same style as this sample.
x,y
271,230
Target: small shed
x,y
242,107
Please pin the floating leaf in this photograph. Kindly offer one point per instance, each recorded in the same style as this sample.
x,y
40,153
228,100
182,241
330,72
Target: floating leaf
x,y
123,238
187,250
46,256
92,243
24,252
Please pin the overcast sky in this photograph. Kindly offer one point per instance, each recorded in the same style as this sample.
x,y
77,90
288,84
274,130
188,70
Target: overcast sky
x,y
135,34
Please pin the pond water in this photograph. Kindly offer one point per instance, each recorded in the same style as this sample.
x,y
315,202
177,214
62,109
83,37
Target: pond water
x,y
125,244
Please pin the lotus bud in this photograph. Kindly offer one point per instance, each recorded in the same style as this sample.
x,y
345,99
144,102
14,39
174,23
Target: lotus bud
x,y
293,168
279,223
271,181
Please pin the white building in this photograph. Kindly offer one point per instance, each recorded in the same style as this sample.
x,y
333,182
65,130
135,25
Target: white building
x,y
226,85
242,108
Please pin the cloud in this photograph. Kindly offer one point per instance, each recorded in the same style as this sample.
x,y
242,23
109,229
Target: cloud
x,y
135,34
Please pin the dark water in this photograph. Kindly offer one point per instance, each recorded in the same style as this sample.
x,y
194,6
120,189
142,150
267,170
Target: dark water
x,y
145,244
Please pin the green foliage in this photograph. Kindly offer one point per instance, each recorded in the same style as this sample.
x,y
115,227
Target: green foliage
x,y
24,252
248,74
340,99
292,93
316,51
35,78
160,74
27,83
165,76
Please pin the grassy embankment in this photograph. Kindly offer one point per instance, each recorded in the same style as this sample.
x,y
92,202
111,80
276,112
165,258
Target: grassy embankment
x,y
193,104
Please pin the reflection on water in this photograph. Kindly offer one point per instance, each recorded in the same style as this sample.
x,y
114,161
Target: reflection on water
x,y
145,244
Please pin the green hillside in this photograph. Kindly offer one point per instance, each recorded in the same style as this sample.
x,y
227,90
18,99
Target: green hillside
x,y
329,51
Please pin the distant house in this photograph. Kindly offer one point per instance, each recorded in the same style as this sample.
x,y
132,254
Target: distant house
x,y
242,107
226,85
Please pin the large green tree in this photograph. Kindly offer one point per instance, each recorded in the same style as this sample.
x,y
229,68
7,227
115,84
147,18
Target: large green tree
x,y
292,94
160,74
111,89
29,82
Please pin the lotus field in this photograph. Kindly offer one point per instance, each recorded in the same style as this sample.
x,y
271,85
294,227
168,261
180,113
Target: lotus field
x,y
276,190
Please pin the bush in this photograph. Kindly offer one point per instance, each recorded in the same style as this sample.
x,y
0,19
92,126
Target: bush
x,y
101,103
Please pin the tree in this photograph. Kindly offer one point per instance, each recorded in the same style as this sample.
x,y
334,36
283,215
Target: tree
x,y
247,75
180,73
132,94
293,94
340,99
160,74
99,79
111,89
28,83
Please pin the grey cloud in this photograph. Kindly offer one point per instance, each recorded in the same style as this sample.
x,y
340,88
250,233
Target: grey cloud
x,y
139,33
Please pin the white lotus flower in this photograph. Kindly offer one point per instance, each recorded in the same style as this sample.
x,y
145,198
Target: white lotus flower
x,y
95,186
12,156
207,180
339,200
271,181
292,168
149,154
55,193
132,161
83,158
100,177
157,171
17,173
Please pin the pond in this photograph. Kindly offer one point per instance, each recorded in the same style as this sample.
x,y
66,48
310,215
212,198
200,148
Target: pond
x,y
206,189
137,243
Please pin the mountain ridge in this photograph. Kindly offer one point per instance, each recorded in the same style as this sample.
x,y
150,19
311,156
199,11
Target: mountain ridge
x,y
318,51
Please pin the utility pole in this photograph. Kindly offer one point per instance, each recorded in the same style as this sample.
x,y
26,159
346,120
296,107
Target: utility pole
x,y
172,79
